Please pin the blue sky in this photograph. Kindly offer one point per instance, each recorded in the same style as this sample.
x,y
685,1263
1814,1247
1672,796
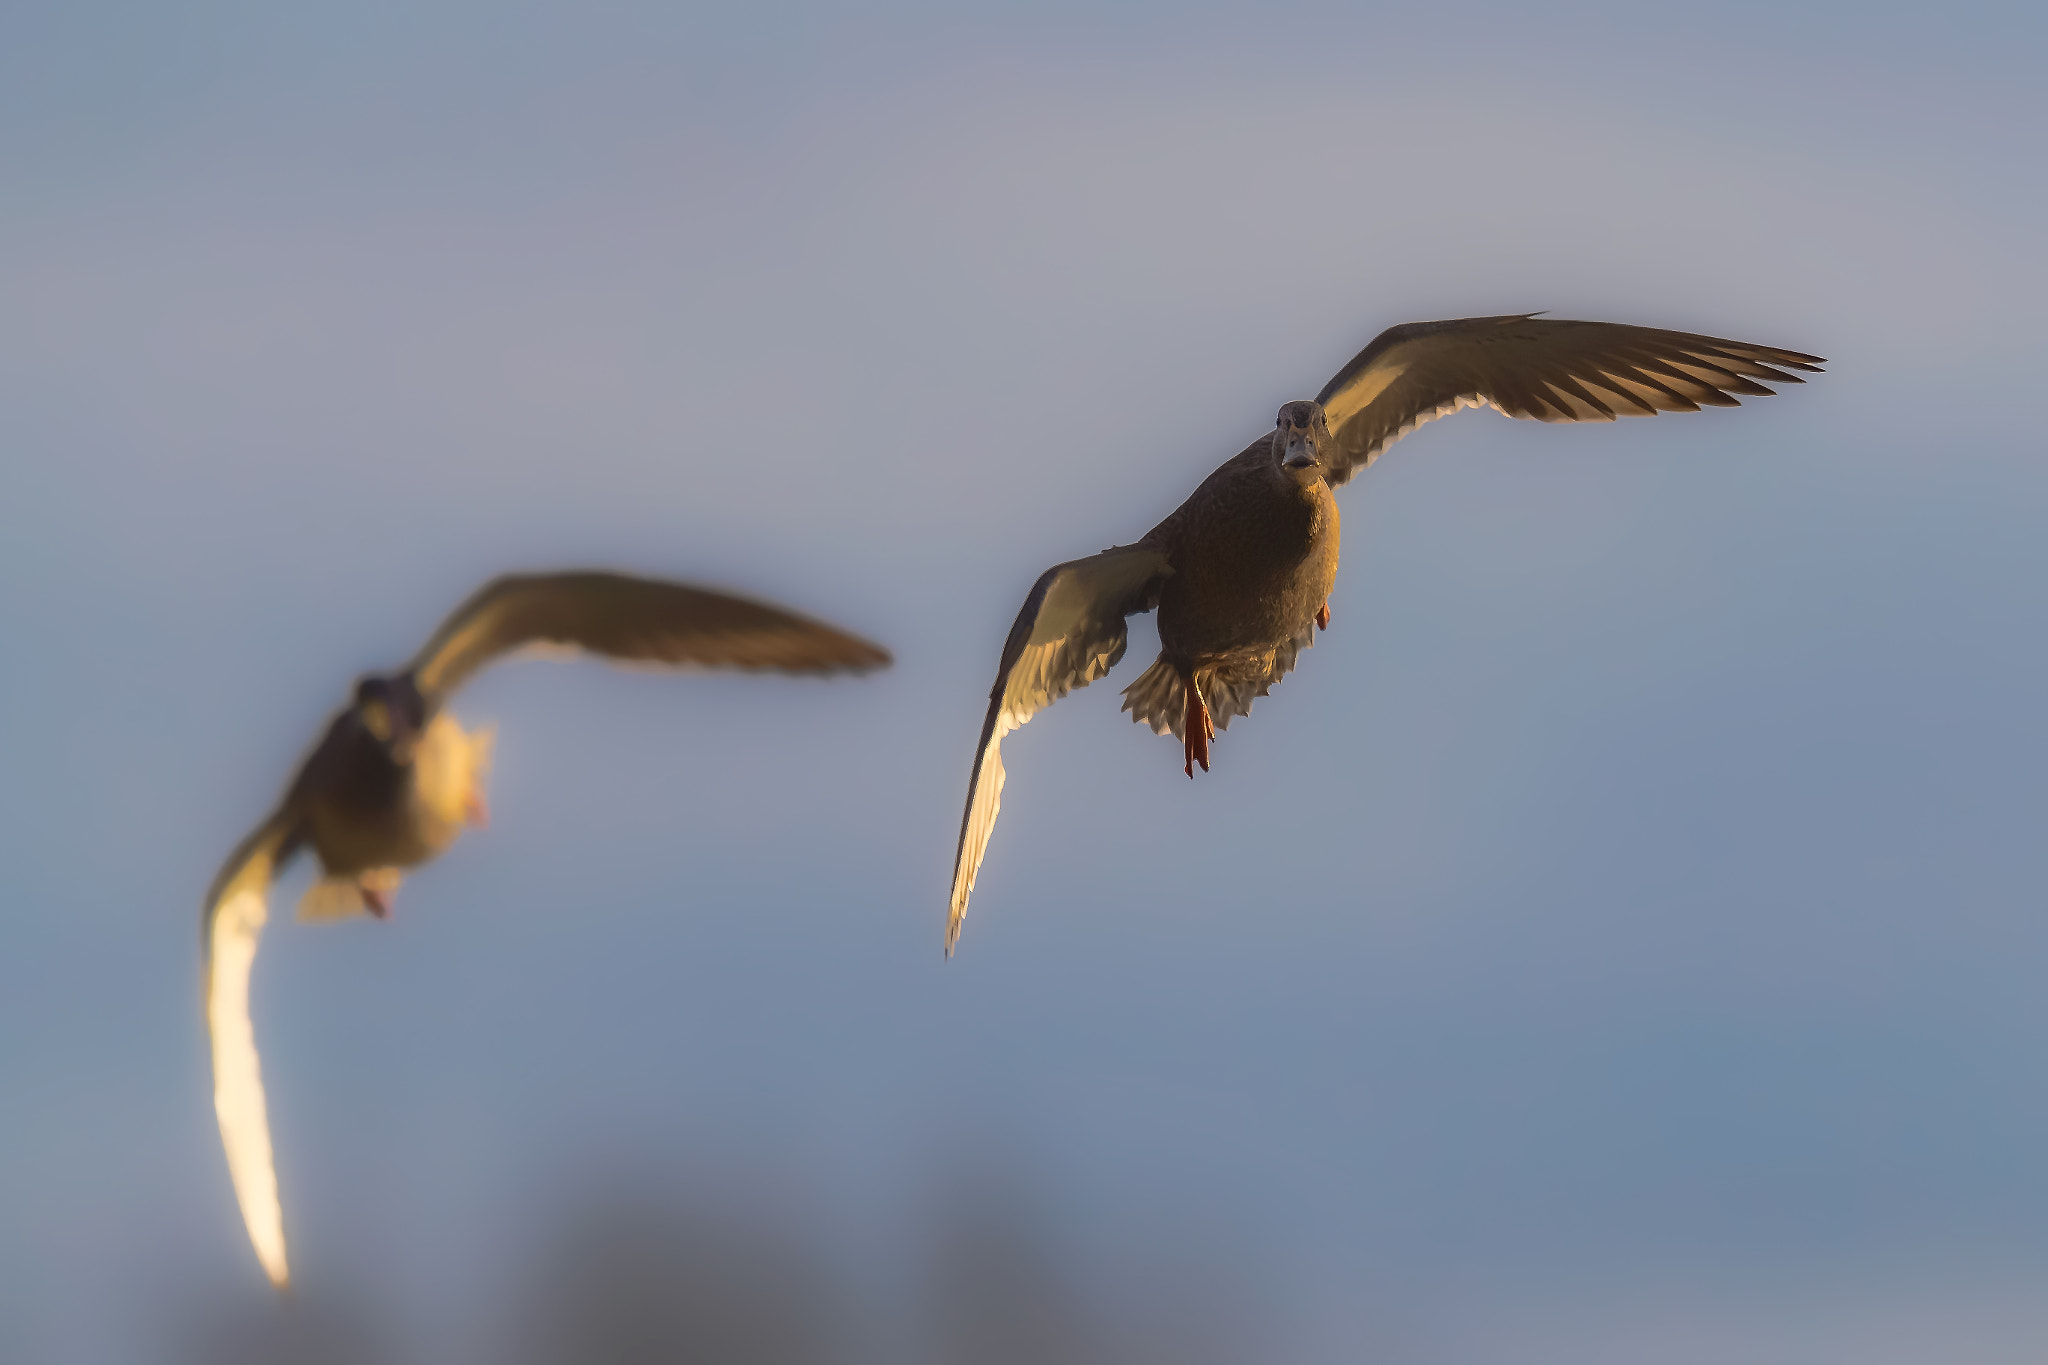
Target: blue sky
x,y
1620,938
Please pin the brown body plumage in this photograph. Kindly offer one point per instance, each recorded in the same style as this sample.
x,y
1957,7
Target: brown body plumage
x,y
1254,556
370,810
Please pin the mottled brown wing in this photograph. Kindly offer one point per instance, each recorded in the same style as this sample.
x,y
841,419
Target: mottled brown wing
x,y
230,929
627,618
1525,366
1070,632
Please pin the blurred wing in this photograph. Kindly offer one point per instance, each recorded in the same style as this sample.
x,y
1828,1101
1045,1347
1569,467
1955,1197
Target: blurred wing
x,y
1070,632
629,618
1525,366
235,911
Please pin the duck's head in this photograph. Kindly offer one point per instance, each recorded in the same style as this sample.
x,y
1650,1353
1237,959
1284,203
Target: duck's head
x,y
1300,437
392,711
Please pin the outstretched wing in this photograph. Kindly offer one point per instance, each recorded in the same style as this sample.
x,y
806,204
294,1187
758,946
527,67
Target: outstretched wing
x,y
1070,632
233,923
1526,366
630,618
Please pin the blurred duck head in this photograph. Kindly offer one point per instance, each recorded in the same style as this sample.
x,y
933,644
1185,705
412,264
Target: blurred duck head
x,y
392,711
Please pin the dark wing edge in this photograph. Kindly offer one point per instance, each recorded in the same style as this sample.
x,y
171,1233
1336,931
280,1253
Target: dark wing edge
x,y
231,928
1070,632
631,619
1548,369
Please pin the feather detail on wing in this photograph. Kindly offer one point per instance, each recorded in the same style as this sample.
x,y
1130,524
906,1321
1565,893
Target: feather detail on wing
x,y
1070,632
235,911
630,619
1543,368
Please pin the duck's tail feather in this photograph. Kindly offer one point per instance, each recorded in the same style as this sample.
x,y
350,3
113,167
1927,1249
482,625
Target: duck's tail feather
x,y
1158,699
1233,695
330,899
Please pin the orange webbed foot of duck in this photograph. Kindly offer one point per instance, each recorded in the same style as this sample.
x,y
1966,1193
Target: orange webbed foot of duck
x,y
1197,730
1323,617
377,887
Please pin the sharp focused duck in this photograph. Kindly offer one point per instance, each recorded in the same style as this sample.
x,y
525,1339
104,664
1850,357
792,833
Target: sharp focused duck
x,y
1241,572
396,779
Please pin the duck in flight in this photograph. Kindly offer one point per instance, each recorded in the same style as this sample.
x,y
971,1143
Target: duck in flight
x,y
396,779
1241,572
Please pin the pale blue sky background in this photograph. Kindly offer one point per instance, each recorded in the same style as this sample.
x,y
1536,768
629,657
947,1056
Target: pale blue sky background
x,y
1622,939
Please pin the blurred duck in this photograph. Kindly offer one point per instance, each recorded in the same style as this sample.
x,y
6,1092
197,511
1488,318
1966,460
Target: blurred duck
x,y
1241,572
396,779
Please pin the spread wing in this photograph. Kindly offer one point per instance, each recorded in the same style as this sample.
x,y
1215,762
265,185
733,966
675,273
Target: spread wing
x,y
1070,632
1526,366
235,911
628,618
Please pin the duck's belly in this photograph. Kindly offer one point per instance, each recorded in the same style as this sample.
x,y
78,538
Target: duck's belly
x,y
353,841
1240,596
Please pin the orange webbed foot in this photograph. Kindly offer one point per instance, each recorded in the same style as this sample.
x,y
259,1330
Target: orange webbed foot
x,y
1197,730
377,887
1323,617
